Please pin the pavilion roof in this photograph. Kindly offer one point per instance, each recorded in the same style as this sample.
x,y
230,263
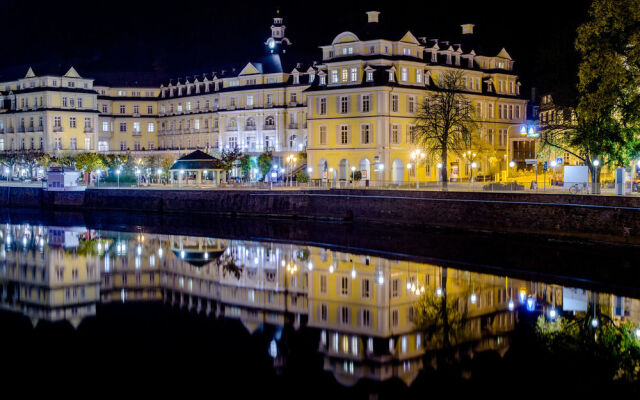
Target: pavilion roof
x,y
197,160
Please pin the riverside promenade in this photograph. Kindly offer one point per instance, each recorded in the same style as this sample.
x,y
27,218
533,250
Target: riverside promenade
x,y
613,219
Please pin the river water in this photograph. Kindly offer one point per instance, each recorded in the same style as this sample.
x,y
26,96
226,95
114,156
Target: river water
x,y
155,307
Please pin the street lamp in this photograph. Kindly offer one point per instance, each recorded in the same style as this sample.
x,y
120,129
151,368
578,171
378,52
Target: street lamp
x,y
353,176
6,172
138,176
511,165
474,165
291,159
417,155
118,175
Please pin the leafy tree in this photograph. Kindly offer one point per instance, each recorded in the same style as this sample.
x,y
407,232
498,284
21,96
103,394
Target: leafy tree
x,y
167,162
605,125
302,176
444,121
245,165
228,157
89,162
265,161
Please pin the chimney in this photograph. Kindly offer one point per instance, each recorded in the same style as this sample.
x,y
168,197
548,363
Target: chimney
x,y
467,29
373,16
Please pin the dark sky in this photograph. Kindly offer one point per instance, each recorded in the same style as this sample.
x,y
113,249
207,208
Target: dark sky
x,y
141,35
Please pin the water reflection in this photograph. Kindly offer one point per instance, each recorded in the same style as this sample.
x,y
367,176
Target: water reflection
x,y
376,318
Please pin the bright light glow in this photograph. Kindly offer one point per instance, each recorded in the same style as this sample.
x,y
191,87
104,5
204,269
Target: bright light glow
x,y
273,349
439,292
596,163
638,333
160,253
330,169
182,254
512,164
381,279
523,295
531,304
139,250
511,305
255,260
594,322
159,171
331,269
206,255
309,170
553,314
24,241
409,166
439,165
554,163
310,266
353,274
474,298
473,165
353,169
408,285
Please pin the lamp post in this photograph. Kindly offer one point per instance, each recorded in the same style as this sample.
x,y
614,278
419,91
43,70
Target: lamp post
x,y
138,176
417,156
6,172
118,175
553,165
474,165
98,177
511,165
159,172
332,176
353,176
409,166
291,159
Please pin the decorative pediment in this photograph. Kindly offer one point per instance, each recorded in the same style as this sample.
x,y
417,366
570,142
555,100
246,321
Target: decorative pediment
x,y
72,73
503,53
249,69
409,38
345,37
30,73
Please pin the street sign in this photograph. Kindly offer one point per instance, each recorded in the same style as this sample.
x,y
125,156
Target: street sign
x,y
530,161
559,161
544,167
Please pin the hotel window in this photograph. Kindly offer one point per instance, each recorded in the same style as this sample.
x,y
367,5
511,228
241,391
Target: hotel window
x,y
79,102
411,135
334,76
324,313
395,134
73,144
500,111
344,134
418,76
395,320
294,98
323,106
369,76
72,122
518,111
510,111
345,75
150,127
391,76
123,126
269,98
323,135
151,147
366,103
71,84
502,137
64,101
395,288
344,104
87,122
404,75
411,104
232,102
394,103
136,127
323,80
323,284
57,121
366,288
104,108
366,318
354,74
122,109
71,102
312,77
490,136
365,134
250,100
344,315
136,147
490,111
87,143
136,109
58,144
105,126
344,286
179,107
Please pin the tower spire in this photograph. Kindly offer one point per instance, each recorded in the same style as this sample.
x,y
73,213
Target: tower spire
x,y
278,42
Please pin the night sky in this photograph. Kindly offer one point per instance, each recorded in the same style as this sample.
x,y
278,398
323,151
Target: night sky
x,y
184,35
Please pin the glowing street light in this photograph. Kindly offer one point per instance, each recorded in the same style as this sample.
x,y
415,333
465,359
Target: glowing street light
x,y
511,165
118,175
353,176
417,155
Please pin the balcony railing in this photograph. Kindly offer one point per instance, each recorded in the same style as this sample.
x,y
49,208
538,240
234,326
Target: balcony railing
x,y
88,129
292,125
57,129
231,128
269,127
250,128
21,129
30,129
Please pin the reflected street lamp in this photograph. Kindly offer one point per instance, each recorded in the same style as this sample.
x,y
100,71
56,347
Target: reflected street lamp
x,y
353,176
118,175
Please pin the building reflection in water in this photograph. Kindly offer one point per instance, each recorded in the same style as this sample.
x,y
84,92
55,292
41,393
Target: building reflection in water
x,y
364,308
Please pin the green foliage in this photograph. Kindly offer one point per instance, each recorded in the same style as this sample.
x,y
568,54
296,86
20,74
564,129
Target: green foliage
x,y
265,161
89,162
228,157
357,176
302,176
613,351
441,319
245,164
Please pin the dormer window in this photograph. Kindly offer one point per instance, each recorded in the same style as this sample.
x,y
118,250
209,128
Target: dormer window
x,y
404,74
369,76
296,79
434,56
323,80
418,76
354,74
391,76
372,49
312,77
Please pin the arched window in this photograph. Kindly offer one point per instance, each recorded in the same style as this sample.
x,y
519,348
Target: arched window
x,y
233,124
292,141
251,123
270,122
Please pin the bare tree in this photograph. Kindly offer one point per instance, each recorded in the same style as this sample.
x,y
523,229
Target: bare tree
x,y
444,122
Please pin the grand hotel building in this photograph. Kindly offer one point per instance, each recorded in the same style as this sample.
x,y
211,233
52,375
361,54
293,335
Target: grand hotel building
x,y
355,107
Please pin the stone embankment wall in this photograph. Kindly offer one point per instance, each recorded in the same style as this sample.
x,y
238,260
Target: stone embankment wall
x,y
607,218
